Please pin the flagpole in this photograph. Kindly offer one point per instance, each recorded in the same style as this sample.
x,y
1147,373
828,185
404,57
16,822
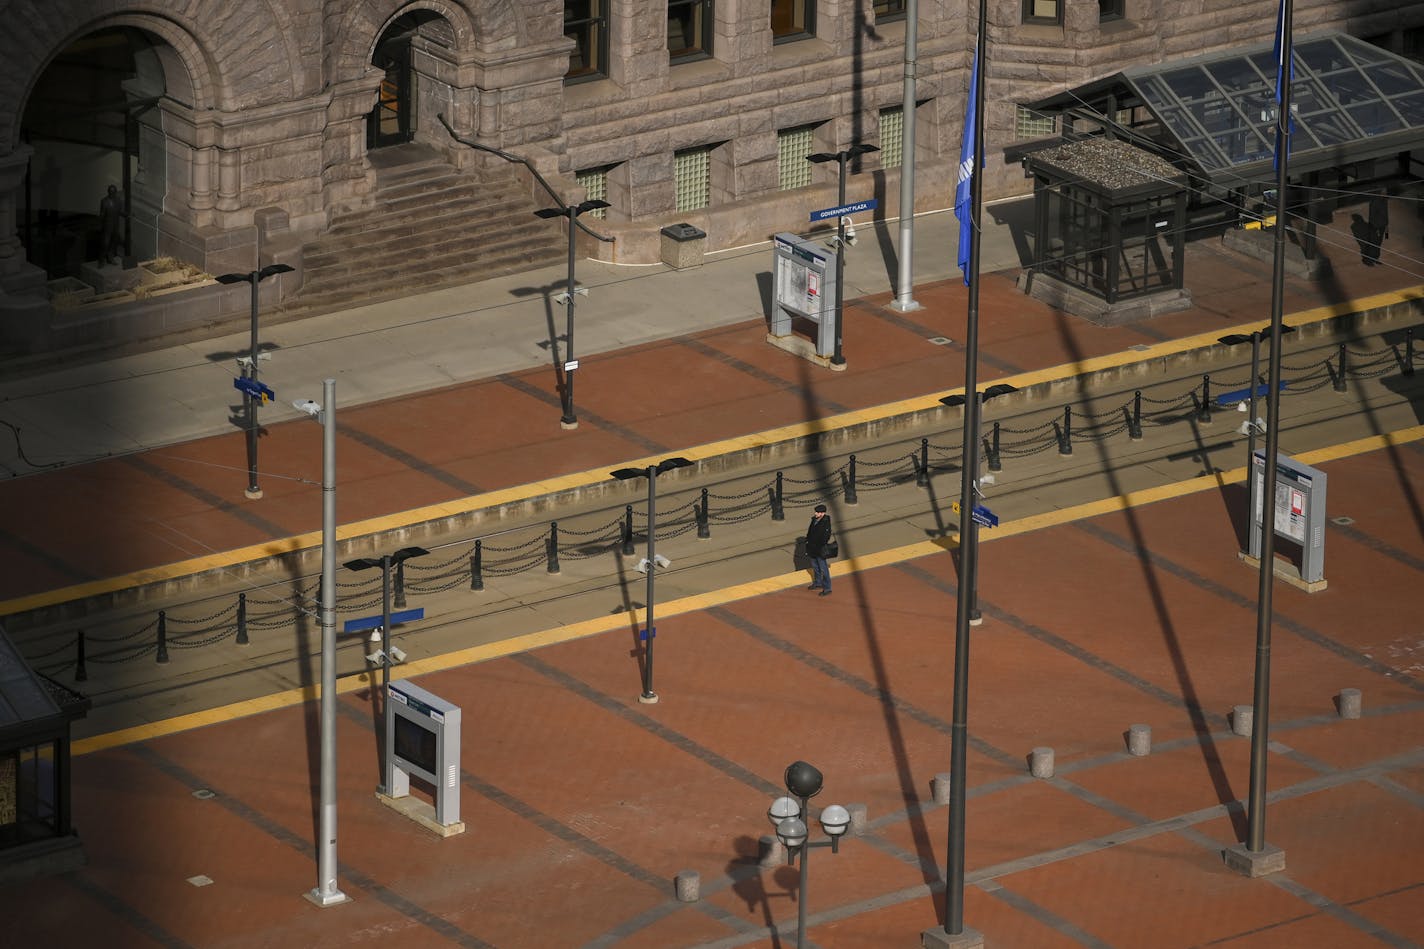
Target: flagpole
x,y
1257,859
954,933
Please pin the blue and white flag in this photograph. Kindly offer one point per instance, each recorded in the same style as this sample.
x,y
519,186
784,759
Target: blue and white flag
x,y
969,160
1284,61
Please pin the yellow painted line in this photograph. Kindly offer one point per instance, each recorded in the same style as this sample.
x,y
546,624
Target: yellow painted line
x,y
732,594
472,503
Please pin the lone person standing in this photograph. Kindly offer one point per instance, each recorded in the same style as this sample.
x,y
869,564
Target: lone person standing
x,y
111,209
1379,225
818,535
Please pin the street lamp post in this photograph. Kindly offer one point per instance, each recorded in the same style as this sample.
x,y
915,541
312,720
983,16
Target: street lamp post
x,y
248,364
572,211
386,562
1252,424
327,893
651,563
841,158
789,814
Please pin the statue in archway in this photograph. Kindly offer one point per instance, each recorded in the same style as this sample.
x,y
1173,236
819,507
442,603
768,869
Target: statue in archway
x,y
111,212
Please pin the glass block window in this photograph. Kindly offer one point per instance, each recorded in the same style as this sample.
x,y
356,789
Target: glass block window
x,y
792,147
1030,124
692,178
586,23
595,182
892,131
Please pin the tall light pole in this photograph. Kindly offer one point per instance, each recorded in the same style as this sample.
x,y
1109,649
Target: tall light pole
x,y
841,158
327,893
1254,338
572,211
651,564
249,368
789,815
386,562
905,283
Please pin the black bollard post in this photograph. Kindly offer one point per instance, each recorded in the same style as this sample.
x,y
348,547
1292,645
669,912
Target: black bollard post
x,y
704,529
1134,422
991,451
398,593
1409,351
162,636
80,672
1340,375
850,495
922,473
242,619
1204,410
1065,432
628,548
552,547
778,512
477,566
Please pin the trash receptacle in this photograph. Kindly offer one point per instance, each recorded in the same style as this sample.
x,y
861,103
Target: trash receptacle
x,y
683,246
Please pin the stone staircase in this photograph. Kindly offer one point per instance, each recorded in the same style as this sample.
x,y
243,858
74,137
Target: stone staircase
x,y
432,226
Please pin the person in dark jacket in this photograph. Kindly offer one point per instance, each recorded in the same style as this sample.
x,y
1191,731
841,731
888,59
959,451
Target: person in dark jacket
x,y
818,535
1379,226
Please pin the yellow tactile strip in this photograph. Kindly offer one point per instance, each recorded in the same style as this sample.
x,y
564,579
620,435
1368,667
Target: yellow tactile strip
x,y
741,591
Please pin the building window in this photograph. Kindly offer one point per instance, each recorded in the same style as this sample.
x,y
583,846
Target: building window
x,y
1043,11
892,133
1030,125
792,147
586,23
692,178
792,20
594,182
1111,10
689,34
887,10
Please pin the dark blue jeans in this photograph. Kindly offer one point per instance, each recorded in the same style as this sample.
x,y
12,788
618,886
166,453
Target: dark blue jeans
x,y
820,573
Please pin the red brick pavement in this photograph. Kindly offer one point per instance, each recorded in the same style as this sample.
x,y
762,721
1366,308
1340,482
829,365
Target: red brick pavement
x,y
582,804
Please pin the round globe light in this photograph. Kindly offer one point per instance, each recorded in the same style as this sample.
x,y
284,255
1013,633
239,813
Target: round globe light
x,y
835,820
782,808
792,832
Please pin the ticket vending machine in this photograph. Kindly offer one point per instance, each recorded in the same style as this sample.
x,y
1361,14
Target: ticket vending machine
x,y
423,739
804,285
1299,516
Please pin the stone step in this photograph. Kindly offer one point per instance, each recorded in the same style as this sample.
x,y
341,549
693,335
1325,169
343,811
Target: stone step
x,y
379,229
456,251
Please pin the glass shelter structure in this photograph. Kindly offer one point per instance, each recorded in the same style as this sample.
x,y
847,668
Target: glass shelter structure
x,y
36,834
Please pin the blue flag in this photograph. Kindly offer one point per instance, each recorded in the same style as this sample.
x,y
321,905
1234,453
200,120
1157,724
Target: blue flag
x,y
969,155
1284,61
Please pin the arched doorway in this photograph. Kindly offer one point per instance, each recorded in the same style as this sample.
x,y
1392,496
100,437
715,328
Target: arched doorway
x,y
406,52
88,120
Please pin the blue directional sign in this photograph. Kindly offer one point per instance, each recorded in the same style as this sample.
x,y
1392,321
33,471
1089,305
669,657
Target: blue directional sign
x,y
984,517
252,387
1244,395
845,209
374,622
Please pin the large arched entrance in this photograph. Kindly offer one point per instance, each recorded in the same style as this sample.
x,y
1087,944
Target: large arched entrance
x,y
410,53
93,122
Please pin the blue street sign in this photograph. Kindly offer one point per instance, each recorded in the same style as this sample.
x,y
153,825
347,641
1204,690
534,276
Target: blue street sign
x,y
1244,395
374,622
253,388
984,517
646,634
845,209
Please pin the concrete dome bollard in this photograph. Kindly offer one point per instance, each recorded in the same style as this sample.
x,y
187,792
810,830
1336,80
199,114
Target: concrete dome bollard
x,y
1139,740
688,884
1241,718
858,814
770,852
1040,762
1349,703
939,788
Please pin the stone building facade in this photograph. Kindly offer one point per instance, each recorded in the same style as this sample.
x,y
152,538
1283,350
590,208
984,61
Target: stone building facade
x,y
242,113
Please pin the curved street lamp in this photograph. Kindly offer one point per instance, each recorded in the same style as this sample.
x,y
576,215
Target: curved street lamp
x,y
248,365
571,211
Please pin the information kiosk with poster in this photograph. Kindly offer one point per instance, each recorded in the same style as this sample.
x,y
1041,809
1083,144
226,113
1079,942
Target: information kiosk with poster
x,y
423,739
1299,515
803,284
